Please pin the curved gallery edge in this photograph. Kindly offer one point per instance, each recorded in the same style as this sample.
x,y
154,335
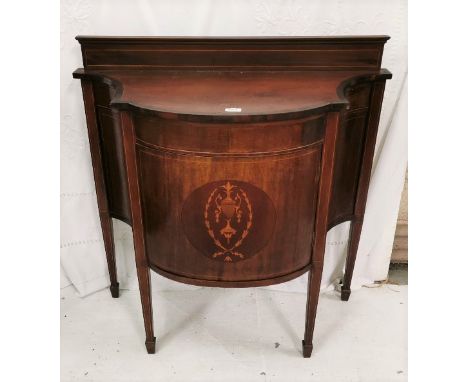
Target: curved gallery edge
x,y
340,104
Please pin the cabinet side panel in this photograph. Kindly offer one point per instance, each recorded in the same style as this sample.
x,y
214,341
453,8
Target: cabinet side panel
x,y
348,158
349,152
112,155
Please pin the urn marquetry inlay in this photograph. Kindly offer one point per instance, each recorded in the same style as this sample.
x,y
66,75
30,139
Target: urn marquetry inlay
x,y
228,220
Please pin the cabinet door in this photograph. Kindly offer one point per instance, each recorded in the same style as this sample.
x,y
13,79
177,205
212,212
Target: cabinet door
x,y
236,216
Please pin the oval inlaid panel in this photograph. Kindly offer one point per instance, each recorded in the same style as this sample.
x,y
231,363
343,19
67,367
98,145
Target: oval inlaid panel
x,y
228,220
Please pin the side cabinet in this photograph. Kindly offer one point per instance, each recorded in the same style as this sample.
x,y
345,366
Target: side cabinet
x,y
231,157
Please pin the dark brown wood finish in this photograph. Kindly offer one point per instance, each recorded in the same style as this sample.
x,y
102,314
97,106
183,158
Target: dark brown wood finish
x,y
233,53
143,270
373,118
232,199
101,193
321,220
112,154
174,209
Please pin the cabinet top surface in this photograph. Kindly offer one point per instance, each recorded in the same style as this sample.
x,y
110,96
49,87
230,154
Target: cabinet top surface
x,y
231,78
228,94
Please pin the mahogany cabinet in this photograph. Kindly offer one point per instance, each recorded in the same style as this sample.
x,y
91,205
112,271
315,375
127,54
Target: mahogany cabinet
x,y
231,158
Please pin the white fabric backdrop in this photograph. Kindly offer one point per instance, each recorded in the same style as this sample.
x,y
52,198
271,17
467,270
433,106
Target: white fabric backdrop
x,y
83,261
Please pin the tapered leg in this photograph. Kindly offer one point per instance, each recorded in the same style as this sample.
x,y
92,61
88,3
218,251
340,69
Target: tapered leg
x,y
354,236
96,159
363,185
143,269
144,281
318,244
108,236
313,291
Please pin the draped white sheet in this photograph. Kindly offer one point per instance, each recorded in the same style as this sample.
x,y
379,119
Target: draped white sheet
x,y
83,261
